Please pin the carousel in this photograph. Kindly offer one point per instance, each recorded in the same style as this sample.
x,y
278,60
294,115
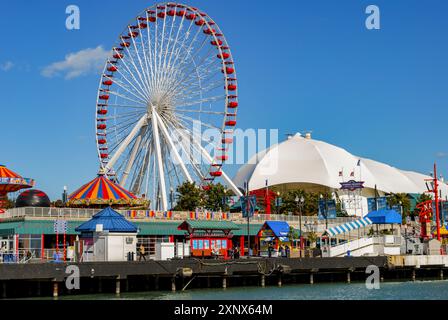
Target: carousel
x,y
102,192
11,182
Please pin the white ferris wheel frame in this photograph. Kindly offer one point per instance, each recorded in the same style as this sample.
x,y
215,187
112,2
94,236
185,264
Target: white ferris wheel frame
x,y
141,80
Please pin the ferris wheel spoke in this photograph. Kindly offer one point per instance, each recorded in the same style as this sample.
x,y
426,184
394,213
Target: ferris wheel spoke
x,y
123,145
157,146
138,94
124,97
142,91
113,105
137,53
177,51
141,82
148,66
172,146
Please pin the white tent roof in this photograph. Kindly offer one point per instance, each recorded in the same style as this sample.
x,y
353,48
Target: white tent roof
x,y
305,160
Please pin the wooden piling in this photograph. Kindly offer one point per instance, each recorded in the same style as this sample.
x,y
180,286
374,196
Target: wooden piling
x,y
311,278
224,282
173,284
263,281
117,286
55,289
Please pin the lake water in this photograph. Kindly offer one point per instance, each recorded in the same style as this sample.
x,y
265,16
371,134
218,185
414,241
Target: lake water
x,y
418,290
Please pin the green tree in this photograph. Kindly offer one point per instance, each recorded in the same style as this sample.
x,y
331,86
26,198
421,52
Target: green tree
x,y
396,198
309,207
190,197
214,198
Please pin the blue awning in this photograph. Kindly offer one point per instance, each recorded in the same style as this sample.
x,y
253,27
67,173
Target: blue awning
x,y
279,228
349,226
385,216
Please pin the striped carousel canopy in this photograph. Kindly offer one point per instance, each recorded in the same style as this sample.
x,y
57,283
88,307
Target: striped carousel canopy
x,y
101,191
349,226
11,181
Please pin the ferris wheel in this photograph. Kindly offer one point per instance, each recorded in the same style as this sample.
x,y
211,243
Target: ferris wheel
x,y
171,71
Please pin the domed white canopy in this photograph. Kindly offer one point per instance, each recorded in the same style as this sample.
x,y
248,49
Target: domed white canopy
x,y
305,160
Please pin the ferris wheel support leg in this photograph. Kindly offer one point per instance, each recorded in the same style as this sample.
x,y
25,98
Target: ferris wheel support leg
x,y
173,148
224,176
162,185
126,142
131,159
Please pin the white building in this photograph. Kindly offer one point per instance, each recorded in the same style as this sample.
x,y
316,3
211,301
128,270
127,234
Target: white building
x,y
301,162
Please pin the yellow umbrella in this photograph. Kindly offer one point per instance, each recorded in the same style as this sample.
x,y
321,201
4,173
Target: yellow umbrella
x,y
443,231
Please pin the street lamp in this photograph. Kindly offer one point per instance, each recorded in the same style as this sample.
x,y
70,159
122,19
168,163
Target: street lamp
x,y
325,210
277,202
299,202
171,197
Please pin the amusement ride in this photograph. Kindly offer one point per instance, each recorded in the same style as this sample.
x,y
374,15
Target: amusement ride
x,y
171,71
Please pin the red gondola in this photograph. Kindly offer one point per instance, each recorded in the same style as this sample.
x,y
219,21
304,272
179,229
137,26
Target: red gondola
x,y
118,56
171,13
125,44
227,140
102,111
224,55
152,19
216,173
108,82
231,123
102,141
112,69
104,97
222,157
209,31
161,15
133,34
229,70
180,13
101,126
231,87
142,25
233,104
200,22
216,43
191,16
104,155
206,188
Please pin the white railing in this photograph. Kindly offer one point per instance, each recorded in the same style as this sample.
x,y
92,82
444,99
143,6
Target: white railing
x,y
309,223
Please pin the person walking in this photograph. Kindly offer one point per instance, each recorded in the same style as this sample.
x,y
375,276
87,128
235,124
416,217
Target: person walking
x,y
142,253
287,251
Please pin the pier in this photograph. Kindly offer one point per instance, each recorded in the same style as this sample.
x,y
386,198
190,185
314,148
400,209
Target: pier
x,y
48,280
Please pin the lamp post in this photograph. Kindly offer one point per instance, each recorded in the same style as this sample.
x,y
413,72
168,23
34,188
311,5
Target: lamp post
x,y
299,202
277,202
325,210
171,198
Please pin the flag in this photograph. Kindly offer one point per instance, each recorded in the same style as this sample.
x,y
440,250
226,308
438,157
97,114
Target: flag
x,y
340,173
359,163
352,174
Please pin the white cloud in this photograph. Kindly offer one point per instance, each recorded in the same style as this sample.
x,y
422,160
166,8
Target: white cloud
x,y
77,64
441,154
8,65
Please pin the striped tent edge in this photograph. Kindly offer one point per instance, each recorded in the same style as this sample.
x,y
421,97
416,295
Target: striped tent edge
x,y
349,226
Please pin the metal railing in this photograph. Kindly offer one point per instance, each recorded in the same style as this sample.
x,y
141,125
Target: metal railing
x,y
146,215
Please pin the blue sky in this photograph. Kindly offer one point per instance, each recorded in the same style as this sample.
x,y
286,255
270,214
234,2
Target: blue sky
x,y
302,65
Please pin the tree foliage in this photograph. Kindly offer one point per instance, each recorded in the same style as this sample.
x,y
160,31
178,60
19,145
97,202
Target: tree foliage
x,y
190,196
